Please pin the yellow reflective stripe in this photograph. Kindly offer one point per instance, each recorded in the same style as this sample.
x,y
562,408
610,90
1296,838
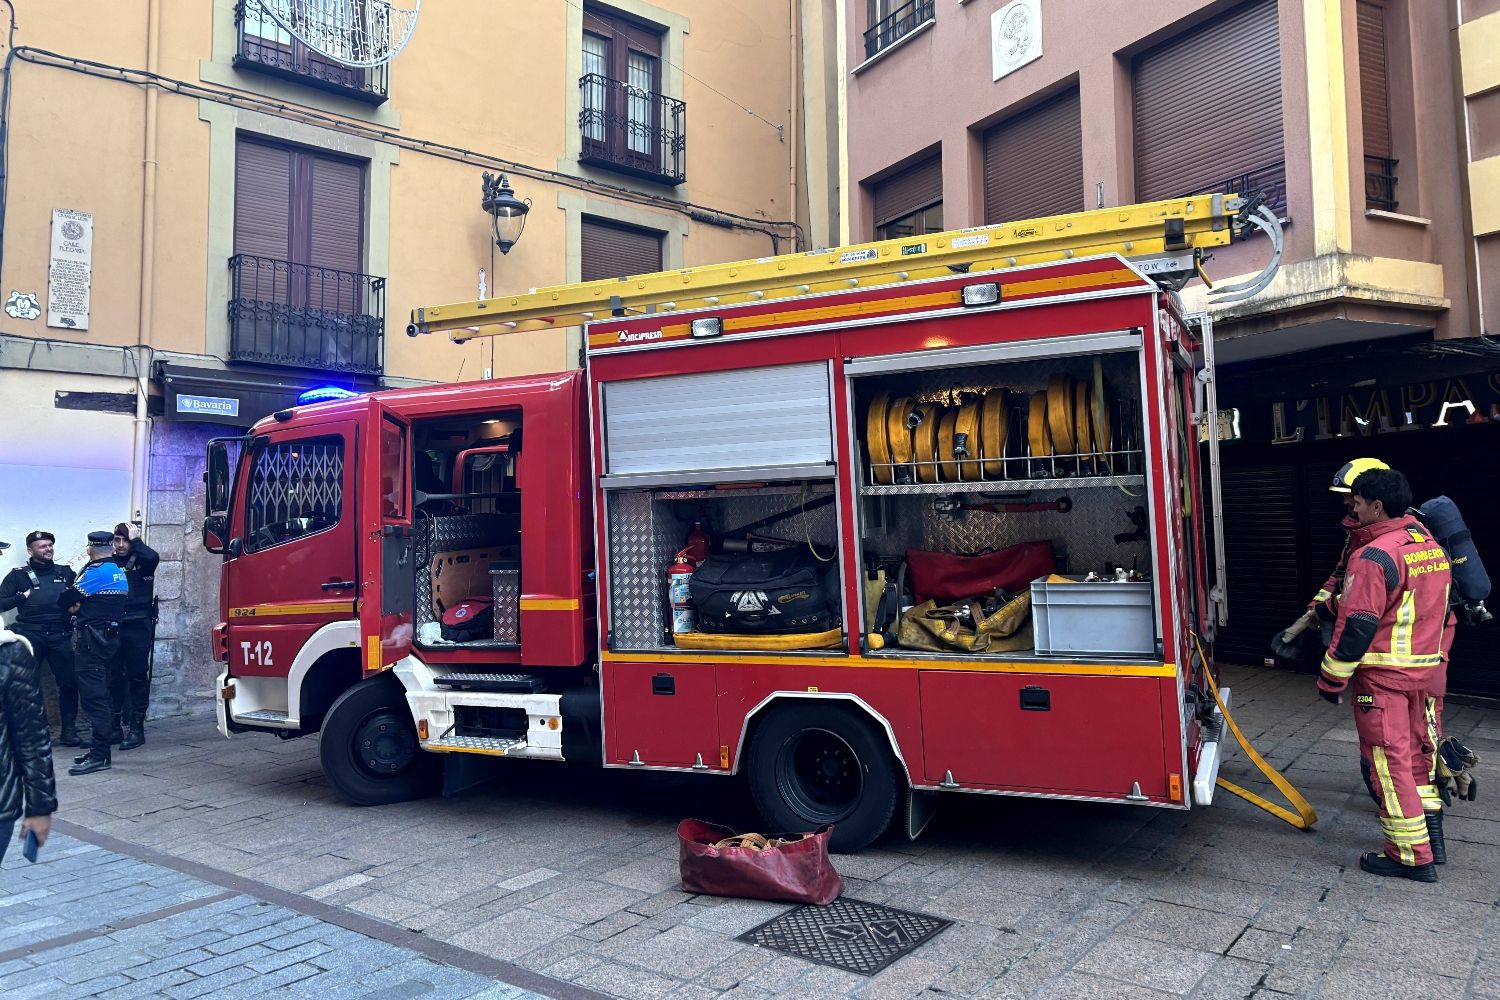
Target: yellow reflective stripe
x,y
549,604
274,610
1432,801
1407,662
1387,787
1401,631
1430,711
1322,596
1339,668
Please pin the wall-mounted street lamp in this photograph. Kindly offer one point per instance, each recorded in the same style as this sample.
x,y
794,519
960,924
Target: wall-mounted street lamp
x,y
506,210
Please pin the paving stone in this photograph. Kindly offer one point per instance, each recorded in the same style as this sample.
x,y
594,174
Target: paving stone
x,y
1152,964
510,937
1188,926
683,952
631,984
1077,986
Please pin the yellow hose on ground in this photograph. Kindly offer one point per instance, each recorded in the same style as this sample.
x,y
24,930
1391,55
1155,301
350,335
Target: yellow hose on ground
x,y
1306,815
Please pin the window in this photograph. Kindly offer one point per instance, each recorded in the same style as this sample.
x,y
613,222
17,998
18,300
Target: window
x,y
626,122
1033,162
613,250
266,46
910,202
1185,140
392,469
1375,106
299,253
296,489
892,20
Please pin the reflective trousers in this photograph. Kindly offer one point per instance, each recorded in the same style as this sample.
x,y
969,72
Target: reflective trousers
x,y
1397,746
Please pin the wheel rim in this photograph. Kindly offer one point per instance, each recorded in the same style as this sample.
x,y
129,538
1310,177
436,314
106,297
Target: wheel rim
x,y
384,743
819,775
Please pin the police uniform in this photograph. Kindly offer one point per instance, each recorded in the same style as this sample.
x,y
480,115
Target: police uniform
x,y
132,690
45,626
100,594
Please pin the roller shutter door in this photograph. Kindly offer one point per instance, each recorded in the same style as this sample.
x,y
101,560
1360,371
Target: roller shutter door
x,y
1033,163
611,250
915,187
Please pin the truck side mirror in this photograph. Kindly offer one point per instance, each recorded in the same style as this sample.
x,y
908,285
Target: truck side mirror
x,y
215,527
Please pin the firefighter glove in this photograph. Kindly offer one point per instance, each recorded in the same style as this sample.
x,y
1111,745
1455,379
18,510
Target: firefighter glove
x,y
1332,697
1285,645
1455,771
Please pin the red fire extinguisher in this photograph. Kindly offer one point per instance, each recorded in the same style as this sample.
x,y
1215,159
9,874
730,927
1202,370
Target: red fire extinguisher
x,y
679,575
698,543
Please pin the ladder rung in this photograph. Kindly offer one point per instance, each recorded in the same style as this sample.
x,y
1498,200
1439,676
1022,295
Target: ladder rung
x,y
1131,230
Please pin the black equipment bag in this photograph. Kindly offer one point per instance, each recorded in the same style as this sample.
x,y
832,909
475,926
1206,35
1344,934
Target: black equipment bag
x,y
785,591
470,620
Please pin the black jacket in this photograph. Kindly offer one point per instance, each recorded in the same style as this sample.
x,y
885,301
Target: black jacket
x,y
27,785
140,569
39,612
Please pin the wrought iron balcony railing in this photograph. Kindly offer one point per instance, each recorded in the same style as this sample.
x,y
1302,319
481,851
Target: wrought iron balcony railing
x,y
305,317
1269,179
897,25
264,46
1380,184
631,130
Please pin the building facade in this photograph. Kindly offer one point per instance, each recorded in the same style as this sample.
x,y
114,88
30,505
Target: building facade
x,y
1369,125
204,218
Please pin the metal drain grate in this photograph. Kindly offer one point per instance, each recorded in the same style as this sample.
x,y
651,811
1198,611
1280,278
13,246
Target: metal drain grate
x,y
847,934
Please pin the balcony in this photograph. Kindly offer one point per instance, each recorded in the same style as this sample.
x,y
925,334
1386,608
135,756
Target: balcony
x,y
298,316
1380,184
1270,179
265,47
632,131
897,25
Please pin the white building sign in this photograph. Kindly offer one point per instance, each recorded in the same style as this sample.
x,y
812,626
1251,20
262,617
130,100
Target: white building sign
x,y
1015,36
71,271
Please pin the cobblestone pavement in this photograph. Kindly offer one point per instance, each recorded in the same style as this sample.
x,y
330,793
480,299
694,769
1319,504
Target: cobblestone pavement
x,y
89,922
571,872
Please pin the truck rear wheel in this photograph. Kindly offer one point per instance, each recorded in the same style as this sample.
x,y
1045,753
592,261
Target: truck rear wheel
x,y
369,746
812,763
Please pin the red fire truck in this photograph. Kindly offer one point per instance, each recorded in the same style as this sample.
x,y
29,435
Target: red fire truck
x,y
934,511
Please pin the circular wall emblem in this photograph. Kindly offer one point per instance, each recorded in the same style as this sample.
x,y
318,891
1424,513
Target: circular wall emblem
x,y
72,229
1016,32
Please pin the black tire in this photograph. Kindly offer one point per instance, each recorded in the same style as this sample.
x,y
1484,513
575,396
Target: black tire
x,y
369,746
816,762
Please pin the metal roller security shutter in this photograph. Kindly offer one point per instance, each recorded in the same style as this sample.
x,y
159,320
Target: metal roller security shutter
x,y
611,250
752,419
1033,163
1262,560
1207,104
915,187
1374,85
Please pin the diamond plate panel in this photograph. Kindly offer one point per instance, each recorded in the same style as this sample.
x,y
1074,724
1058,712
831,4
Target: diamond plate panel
x,y
848,934
648,529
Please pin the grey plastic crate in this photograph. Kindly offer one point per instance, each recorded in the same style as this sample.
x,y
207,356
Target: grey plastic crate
x,y
1106,618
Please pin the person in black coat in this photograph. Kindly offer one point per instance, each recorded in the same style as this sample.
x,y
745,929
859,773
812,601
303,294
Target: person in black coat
x,y
34,587
28,789
131,684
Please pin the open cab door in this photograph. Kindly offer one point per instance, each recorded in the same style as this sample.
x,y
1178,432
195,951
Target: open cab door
x,y
386,540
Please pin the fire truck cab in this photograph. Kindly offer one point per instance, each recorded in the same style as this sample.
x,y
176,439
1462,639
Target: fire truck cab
x,y
888,433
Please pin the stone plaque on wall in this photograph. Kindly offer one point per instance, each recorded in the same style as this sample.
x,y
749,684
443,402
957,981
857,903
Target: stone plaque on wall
x,y
71,269
1015,36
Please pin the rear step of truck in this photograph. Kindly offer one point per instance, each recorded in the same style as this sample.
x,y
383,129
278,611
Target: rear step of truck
x,y
479,744
527,683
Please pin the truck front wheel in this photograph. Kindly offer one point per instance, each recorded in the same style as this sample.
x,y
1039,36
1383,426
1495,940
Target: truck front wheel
x,y
369,746
812,763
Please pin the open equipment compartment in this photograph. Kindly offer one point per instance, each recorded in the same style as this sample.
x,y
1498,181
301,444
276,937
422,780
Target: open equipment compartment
x,y
958,456
648,527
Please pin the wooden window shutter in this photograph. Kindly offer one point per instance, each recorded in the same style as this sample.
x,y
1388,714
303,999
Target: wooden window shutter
x,y
1374,78
915,187
1033,163
262,200
611,250
336,208
1207,105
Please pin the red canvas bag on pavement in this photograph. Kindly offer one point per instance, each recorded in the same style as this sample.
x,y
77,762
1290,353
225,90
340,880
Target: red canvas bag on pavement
x,y
943,577
797,872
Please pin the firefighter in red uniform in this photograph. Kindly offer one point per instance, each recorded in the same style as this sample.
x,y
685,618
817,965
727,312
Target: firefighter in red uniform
x,y
1390,633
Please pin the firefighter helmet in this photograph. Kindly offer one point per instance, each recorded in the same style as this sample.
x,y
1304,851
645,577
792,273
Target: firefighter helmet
x,y
1343,480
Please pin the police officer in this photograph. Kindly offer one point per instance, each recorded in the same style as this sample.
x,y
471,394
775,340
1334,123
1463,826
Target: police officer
x,y
34,587
131,690
97,601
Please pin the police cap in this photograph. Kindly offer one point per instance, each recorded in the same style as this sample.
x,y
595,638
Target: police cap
x,y
101,539
38,536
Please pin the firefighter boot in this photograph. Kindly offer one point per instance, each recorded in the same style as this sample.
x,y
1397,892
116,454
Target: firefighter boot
x,y
1379,864
91,762
1435,835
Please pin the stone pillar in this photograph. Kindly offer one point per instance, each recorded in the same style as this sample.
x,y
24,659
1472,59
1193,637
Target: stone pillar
x,y
187,582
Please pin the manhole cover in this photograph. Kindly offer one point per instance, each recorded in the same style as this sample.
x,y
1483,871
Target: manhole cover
x,y
847,934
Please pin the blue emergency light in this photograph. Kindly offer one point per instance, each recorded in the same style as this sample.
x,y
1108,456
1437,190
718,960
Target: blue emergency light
x,y
326,394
